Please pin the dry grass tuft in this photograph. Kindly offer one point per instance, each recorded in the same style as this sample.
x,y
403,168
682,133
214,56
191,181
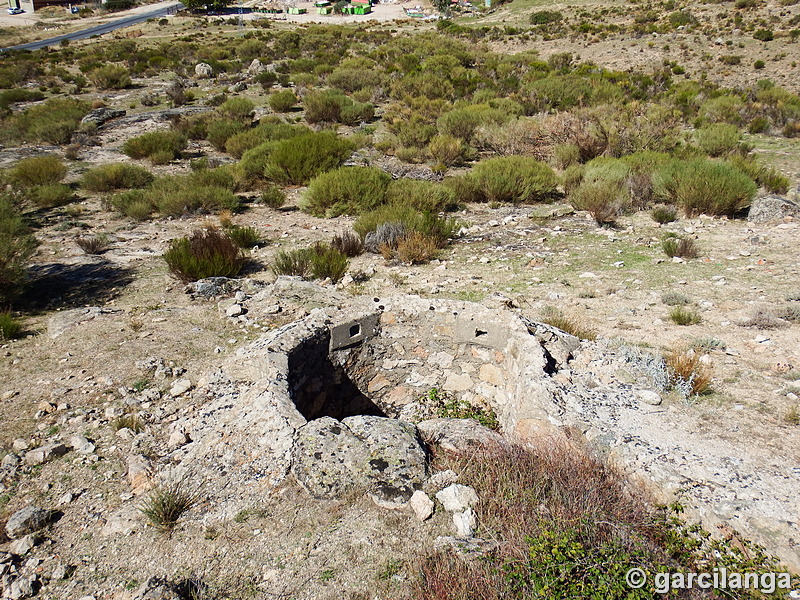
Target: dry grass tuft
x,y
689,372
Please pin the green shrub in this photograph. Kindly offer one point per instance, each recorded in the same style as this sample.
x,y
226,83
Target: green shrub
x,y
200,192
446,150
348,243
38,170
96,244
282,101
323,106
268,130
705,186
296,161
459,123
680,247
50,195
664,214
52,122
10,327
134,204
155,145
409,219
767,177
244,237
295,263
354,79
603,200
331,106
516,179
206,253
347,190
115,176
425,196
717,139
273,196
681,315
543,17
764,35
319,261
220,130
110,77
673,298
16,247
255,160
9,97
236,109
758,125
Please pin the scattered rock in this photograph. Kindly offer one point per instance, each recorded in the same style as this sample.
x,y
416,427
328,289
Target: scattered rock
x,y
234,310
439,481
139,474
457,497
81,445
422,505
22,588
180,386
382,456
460,436
44,454
465,523
256,67
648,397
22,546
27,520
468,548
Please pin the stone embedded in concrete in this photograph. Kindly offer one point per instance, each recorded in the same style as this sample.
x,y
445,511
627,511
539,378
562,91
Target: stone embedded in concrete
x,y
354,331
458,382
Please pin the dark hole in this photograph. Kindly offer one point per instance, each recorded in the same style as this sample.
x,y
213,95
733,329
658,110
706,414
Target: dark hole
x,y
355,330
480,332
321,387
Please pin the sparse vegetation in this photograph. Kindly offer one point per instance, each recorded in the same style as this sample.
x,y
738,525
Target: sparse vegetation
x,y
681,315
571,325
96,244
10,327
689,372
167,502
320,261
681,247
116,176
16,247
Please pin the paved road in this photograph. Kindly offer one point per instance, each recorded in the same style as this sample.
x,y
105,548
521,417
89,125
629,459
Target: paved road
x,y
168,8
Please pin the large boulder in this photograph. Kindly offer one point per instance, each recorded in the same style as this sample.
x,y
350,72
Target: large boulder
x,y
99,116
767,209
381,456
204,70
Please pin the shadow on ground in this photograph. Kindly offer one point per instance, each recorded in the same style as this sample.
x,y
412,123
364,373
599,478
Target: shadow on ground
x,y
57,285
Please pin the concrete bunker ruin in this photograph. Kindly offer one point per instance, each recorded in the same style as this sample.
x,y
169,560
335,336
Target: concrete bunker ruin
x,y
382,360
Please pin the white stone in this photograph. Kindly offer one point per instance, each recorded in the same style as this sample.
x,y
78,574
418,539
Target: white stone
x,y
234,310
648,397
457,497
421,504
180,386
22,546
81,445
465,523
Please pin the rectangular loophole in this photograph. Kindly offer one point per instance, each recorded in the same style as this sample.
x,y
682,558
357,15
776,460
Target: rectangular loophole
x,y
480,332
355,330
